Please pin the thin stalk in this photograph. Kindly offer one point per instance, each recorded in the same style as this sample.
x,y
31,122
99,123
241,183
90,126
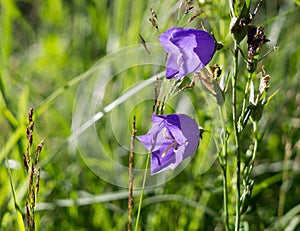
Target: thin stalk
x,y
255,148
285,177
249,77
18,211
248,180
142,193
236,136
224,168
131,156
255,142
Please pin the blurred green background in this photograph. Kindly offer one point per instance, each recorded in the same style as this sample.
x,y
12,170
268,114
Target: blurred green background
x,y
46,45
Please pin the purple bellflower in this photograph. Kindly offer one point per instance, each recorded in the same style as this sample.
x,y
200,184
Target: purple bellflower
x,y
189,50
171,139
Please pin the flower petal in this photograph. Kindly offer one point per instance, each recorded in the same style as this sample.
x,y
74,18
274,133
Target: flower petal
x,y
205,48
171,139
189,50
191,132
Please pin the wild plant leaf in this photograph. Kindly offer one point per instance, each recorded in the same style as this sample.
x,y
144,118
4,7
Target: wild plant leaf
x,y
297,2
18,211
210,84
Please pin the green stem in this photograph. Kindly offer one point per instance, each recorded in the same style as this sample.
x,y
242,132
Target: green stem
x,y
255,137
224,168
236,136
249,77
18,211
142,193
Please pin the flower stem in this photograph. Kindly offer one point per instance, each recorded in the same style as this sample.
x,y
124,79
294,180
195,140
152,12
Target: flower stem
x,y
255,141
249,77
142,193
236,136
224,167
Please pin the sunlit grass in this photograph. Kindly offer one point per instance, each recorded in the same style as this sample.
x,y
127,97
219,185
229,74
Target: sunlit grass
x,y
49,47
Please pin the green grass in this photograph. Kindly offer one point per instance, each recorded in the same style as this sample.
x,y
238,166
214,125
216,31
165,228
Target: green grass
x,y
53,54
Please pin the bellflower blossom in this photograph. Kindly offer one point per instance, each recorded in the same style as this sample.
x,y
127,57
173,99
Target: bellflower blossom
x,y
171,139
189,50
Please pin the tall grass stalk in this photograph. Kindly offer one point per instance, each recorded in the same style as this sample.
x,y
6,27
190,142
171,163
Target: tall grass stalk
x,y
236,137
142,193
18,211
30,162
131,165
223,163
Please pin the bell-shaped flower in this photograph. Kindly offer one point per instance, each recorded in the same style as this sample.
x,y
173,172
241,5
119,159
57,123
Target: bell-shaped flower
x,y
171,139
189,50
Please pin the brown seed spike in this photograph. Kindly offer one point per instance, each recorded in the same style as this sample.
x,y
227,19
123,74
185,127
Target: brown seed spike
x,y
31,177
27,213
187,9
156,94
144,43
25,162
30,120
154,15
195,16
38,151
30,114
33,199
153,22
37,181
131,165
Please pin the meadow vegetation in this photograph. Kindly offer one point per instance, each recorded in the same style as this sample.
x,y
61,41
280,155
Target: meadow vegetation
x,y
54,53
